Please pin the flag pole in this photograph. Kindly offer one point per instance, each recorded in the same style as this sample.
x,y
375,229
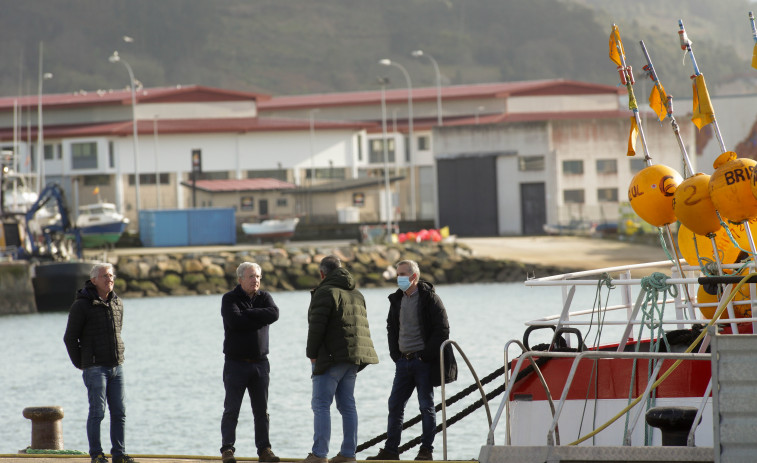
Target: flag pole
x,y
649,68
626,77
686,46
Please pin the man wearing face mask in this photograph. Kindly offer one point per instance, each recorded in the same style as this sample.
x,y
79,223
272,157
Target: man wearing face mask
x,y
417,326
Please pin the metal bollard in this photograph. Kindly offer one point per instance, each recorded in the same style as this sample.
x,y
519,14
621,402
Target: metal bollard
x,y
674,423
47,429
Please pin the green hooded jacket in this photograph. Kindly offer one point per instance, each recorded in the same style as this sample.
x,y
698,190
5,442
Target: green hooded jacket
x,y
338,328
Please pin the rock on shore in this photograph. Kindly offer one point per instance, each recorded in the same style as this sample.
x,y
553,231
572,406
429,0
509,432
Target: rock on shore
x,y
296,268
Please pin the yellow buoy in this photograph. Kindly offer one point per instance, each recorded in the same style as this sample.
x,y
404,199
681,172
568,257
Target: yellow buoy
x,y
741,305
731,187
693,206
727,251
651,194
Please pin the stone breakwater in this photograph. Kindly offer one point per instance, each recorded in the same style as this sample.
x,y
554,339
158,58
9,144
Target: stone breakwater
x,y
291,267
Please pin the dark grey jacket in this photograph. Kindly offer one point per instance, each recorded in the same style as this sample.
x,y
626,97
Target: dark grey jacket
x,y
93,332
434,330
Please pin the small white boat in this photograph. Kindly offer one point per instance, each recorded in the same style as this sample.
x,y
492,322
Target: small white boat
x,y
271,228
100,224
18,197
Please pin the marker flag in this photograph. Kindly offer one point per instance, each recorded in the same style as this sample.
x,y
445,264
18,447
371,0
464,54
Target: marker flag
x,y
615,44
632,136
703,112
754,56
96,191
658,102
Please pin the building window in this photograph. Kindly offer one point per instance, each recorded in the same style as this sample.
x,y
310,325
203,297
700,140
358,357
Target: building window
x,y
607,166
149,179
278,174
218,175
424,143
573,196
53,152
376,151
281,202
530,163
247,203
607,195
359,147
572,167
84,155
636,164
327,173
96,180
111,155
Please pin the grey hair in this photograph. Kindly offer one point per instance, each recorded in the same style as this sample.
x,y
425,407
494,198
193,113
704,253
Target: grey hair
x,y
95,270
329,263
413,266
245,265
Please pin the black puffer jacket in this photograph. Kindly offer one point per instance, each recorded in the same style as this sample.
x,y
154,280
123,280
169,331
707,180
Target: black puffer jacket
x,y
93,332
434,330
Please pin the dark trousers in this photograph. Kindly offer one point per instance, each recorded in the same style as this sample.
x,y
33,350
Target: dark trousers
x,y
238,377
411,375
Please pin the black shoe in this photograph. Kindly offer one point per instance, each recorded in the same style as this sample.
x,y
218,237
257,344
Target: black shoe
x,y
123,459
267,455
99,459
227,456
425,454
385,455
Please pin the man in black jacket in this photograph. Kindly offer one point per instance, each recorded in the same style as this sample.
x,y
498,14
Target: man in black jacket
x,y
247,312
417,326
93,341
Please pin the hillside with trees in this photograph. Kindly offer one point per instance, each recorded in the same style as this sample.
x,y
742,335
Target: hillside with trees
x,y
304,46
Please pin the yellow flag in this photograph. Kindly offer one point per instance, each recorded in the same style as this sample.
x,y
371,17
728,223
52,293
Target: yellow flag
x,y
658,102
754,56
616,43
632,136
703,112
96,191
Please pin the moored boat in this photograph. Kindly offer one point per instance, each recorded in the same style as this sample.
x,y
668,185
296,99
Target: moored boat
x,y
271,228
100,224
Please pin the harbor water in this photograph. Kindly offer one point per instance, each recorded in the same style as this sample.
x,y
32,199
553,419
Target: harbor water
x,y
174,360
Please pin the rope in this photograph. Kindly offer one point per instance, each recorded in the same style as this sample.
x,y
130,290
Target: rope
x,y
455,398
669,371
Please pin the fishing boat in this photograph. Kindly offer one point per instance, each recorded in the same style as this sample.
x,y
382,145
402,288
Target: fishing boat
x,y
280,229
100,224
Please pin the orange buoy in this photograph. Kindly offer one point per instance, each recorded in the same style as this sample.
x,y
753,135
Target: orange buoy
x,y
689,243
651,194
738,231
693,206
731,187
741,306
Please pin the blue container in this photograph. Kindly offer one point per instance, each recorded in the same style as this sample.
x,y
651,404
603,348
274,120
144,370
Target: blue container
x,y
187,227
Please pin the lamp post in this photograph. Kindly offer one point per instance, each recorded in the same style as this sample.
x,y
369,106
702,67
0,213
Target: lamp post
x,y
383,81
311,117
478,110
418,54
40,132
115,58
388,62
157,169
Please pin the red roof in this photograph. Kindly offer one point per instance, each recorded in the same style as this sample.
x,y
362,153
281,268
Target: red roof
x,y
245,184
176,94
452,92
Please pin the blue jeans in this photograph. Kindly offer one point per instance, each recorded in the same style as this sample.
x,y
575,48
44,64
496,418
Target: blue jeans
x,y
411,375
238,377
338,381
105,383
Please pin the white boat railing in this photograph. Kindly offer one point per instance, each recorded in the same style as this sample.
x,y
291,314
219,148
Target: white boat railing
x,y
684,304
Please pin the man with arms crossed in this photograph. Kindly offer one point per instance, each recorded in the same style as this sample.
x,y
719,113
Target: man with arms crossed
x,y
247,312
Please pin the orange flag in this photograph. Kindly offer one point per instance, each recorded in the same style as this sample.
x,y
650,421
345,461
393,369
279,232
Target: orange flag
x,y
616,43
658,100
703,112
754,56
632,136
96,191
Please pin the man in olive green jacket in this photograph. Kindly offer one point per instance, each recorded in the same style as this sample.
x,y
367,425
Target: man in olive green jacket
x,y
338,346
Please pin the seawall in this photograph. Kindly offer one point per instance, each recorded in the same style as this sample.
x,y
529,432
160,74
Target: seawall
x,y
16,292
293,267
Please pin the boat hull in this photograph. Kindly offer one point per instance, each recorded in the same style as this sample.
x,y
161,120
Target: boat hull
x,y
55,284
271,229
102,234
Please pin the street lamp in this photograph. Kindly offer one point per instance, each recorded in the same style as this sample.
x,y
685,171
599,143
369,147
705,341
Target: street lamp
x,y
478,110
311,117
388,62
115,58
418,54
383,81
40,133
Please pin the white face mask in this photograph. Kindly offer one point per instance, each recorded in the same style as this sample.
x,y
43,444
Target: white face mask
x,y
403,282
